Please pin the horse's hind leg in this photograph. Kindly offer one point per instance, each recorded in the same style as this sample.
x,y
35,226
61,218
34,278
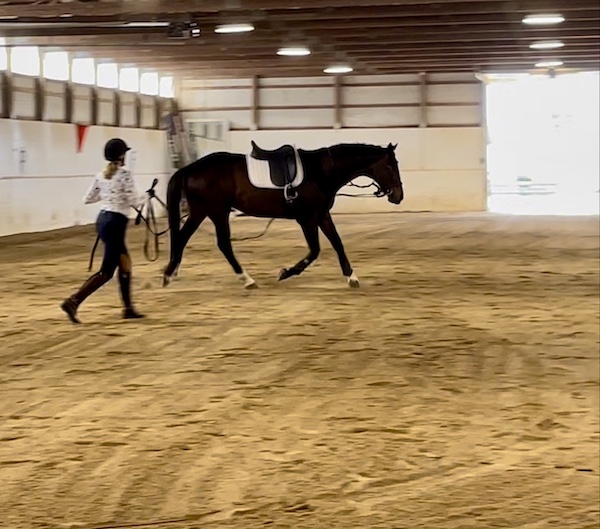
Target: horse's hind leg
x,y
191,225
223,231
311,233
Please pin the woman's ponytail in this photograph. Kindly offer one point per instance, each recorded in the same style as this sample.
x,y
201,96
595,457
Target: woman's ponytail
x,y
110,170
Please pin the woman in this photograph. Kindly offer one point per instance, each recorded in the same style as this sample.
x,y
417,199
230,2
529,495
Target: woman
x,y
115,187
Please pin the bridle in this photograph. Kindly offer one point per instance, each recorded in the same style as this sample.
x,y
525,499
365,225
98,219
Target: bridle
x,y
380,192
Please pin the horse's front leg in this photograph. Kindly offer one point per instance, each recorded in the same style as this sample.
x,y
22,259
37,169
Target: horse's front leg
x,y
330,231
311,234
223,231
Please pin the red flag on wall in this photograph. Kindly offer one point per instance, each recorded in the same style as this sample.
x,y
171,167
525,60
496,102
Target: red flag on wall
x,y
81,134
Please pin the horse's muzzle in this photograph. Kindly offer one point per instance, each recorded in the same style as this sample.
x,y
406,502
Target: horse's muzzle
x,y
396,195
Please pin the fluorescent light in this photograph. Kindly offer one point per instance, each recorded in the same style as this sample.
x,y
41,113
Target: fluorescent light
x,y
546,45
541,20
338,69
293,52
234,28
549,64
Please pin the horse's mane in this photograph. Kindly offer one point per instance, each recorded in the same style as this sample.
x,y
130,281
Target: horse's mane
x,y
347,146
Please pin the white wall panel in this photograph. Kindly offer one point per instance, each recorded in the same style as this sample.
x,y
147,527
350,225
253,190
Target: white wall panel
x,y
381,117
54,103
148,109
106,106
23,96
454,93
296,118
82,106
453,115
43,189
127,102
365,95
282,97
198,99
237,119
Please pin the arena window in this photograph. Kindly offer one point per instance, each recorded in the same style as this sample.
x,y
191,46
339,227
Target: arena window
x,y
56,65
83,70
149,83
107,75
129,80
166,87
25,60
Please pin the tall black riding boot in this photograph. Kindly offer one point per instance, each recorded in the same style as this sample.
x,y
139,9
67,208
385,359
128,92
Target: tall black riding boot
x,y
71,304
129,313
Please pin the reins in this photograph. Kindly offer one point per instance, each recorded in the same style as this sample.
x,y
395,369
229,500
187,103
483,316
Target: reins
x,y
152,227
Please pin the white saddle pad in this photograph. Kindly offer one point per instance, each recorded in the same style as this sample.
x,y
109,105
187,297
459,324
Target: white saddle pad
x,y
259,173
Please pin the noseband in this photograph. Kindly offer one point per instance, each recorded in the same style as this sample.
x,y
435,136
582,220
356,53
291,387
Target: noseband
x,y
380,192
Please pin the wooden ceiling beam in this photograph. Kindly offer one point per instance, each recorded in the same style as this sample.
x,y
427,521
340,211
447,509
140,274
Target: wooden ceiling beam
x,y
492,23
345,13
328,33
274,67
183,7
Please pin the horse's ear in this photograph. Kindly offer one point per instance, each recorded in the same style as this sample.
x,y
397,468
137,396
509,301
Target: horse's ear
x,y
392,147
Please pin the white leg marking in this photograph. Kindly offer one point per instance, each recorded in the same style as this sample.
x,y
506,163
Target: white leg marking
x,y
353,281
245,278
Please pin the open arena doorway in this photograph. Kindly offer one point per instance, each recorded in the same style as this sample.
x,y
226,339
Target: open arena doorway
x,y
543,137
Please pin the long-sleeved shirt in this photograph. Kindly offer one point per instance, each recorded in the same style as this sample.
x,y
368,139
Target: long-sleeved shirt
x,y
117,194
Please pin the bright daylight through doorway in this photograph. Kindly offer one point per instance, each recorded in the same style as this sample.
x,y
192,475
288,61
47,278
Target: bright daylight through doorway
x,y
543,138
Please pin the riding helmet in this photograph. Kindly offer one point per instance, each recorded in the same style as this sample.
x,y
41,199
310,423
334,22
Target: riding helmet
x,y
115,149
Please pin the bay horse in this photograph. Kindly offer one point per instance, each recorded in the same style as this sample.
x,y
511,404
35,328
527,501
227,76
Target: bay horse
x,y
218,182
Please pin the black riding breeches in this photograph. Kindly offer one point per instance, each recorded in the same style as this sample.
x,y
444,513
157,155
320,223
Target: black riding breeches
x,y
111,227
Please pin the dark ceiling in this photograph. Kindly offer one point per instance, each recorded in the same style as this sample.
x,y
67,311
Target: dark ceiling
x,y
373,36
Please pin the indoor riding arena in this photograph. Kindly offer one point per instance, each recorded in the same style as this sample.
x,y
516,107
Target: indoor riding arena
x,y
450,381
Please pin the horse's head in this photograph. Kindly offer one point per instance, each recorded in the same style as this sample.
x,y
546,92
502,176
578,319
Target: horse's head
x,y
385,172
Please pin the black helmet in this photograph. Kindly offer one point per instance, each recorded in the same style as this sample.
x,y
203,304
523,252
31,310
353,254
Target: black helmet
x,y
115,149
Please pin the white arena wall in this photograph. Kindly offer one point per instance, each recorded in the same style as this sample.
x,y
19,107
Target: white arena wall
x,y
437,121
43,177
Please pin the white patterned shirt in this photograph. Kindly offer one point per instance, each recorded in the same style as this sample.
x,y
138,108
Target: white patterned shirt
x,y
117,194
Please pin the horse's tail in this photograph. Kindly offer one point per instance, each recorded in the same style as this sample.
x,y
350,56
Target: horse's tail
x,y
174,190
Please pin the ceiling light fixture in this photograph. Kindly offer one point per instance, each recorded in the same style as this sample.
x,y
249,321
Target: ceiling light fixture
x,y
293,52
340,68
549,64
542,20
234,28
546,45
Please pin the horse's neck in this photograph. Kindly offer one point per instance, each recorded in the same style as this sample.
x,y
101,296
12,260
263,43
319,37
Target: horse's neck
x,y
346,168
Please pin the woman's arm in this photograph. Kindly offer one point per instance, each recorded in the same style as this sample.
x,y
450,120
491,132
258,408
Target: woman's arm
x,y
93,193
134,198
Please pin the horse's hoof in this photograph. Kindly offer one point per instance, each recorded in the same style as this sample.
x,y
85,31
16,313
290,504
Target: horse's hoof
x,y
353,281
166,280
284,273
251,285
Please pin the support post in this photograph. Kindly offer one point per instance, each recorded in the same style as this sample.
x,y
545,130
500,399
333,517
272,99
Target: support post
x,y
94,106
337,102
7,95
255,121
423,100
117,108
39,98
